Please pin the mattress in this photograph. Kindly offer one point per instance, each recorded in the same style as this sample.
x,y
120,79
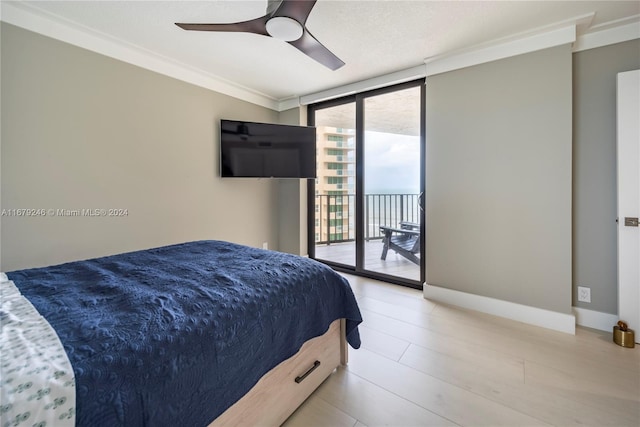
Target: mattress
x,y
177,334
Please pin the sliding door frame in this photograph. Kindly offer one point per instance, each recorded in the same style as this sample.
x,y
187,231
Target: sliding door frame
x,y
360,118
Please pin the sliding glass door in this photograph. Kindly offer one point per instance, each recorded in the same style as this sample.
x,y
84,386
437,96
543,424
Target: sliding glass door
x,y
334,207
392,183
365,207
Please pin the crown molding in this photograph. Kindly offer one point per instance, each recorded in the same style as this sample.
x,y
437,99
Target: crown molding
x,y
568,31
288,103
500,50
40,22
577,30
618,31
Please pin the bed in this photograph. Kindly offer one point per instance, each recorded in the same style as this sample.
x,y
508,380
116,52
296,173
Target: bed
x,y
195,334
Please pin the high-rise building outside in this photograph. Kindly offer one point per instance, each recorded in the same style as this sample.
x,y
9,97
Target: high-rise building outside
x,y
335,184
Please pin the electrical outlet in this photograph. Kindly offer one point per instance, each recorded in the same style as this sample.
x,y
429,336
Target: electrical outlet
x,y
265,245
584,294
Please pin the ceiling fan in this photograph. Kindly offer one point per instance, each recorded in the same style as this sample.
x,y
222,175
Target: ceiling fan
x,y
284,20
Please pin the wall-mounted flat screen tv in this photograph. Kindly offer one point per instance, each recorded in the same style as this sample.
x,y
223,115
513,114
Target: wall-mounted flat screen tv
x,y
266,150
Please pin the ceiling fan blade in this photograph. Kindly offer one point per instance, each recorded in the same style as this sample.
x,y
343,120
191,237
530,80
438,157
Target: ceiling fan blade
x,y
311,47
255,26
296,9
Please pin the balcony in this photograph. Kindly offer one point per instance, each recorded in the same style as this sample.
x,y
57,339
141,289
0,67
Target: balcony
x,y
344,145
338,158
345,253
338,172
380,209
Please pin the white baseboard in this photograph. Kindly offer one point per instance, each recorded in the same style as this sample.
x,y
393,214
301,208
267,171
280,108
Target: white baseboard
x,y
595,319
522,313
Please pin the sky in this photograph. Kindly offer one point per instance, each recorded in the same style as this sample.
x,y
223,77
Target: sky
x,y
392,163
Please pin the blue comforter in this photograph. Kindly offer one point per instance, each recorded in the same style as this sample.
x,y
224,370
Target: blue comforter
x,y
177,334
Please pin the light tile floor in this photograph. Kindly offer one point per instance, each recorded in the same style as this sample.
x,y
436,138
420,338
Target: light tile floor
x,y
426,364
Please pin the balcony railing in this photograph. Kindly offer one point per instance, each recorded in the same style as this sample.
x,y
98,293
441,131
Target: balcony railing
x,y
338,172
380,209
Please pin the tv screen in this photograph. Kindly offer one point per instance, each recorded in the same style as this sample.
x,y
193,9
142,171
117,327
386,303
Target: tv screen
x,y
265,150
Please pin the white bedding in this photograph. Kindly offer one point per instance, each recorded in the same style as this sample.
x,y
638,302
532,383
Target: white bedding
x,y
37,386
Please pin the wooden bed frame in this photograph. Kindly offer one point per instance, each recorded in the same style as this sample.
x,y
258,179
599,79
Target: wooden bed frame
x,y
283,389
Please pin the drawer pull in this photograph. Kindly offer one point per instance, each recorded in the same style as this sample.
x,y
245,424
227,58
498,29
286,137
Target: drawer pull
x,y
306,374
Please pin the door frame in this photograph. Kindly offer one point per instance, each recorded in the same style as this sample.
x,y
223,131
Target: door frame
x,y
359,99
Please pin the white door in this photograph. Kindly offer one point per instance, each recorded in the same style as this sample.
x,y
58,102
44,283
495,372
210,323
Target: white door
x,y
628,166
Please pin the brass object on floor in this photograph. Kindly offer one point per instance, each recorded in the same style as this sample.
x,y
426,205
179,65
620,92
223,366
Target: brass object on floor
x,y
623,336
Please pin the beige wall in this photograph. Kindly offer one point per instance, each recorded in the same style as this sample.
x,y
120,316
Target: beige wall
x,y
594,174
498,187
80,130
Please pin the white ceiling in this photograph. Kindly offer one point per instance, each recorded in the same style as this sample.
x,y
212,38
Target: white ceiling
x,y
373,37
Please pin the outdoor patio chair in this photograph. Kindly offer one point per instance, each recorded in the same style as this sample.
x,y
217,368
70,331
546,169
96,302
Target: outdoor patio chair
x,y
405,241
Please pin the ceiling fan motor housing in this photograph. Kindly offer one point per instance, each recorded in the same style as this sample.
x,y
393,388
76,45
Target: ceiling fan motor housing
x,y
284,28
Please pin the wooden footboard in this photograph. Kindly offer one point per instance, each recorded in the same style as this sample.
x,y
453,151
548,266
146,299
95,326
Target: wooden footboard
x,y
280,391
